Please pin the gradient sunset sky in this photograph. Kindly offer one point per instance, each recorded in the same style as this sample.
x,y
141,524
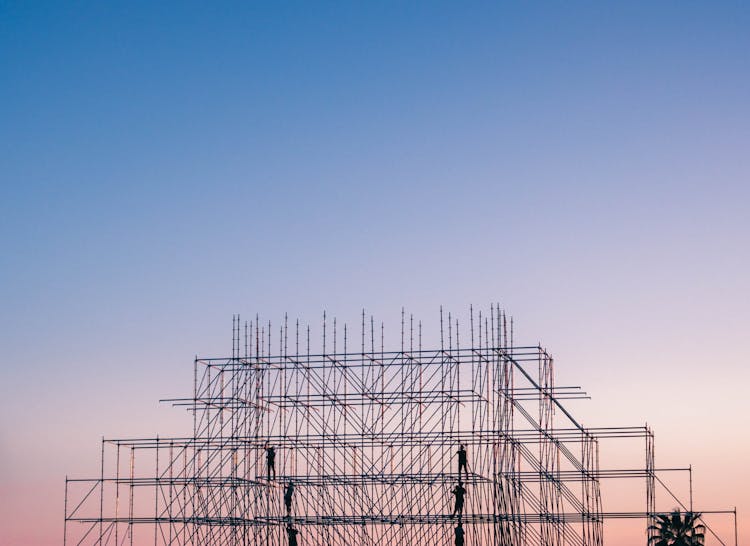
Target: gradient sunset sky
x,y
165,165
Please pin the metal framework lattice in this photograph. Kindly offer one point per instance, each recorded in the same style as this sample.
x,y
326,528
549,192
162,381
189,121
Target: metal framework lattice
x,y
369,439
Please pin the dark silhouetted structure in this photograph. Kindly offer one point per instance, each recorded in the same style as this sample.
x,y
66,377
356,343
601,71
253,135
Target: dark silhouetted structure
x,y
368,437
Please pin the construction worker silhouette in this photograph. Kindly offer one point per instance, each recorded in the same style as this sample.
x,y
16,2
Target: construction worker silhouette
x,y
459,535
461,460
291,534
288,497
459,491
271,462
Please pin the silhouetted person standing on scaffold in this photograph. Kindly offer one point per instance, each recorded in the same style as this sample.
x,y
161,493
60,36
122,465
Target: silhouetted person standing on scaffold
x,y
271,462
459,535
461,460
459,491
288,497
291,534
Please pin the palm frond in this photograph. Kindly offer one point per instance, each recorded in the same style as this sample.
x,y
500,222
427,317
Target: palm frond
x,y
676,529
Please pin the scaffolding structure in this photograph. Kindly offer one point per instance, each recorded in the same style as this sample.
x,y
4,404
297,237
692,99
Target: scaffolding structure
x,y
369,439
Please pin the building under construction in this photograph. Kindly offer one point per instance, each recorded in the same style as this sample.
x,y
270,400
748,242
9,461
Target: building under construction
x,y
369,438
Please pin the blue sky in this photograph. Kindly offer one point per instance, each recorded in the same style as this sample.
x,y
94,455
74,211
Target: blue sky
x,y
165,166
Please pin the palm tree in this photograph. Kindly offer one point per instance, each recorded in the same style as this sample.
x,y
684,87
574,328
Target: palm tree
x,y
675,530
